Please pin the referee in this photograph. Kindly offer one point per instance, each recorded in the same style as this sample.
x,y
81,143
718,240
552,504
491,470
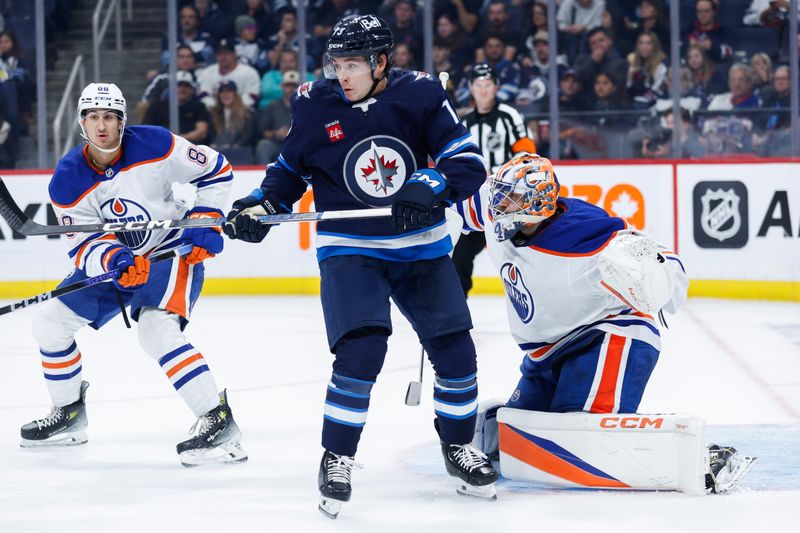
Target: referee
x,y
500,132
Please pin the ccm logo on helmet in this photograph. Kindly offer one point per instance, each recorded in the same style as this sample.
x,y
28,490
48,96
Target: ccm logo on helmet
x,y
630,422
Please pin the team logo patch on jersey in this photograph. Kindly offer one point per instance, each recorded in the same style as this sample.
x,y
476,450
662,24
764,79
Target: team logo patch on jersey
x,y
517,292
376,168
109,172
124,210
67,220
335,133
304,90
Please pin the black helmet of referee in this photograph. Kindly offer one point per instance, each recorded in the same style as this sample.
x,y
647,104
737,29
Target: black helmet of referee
x,y
482,71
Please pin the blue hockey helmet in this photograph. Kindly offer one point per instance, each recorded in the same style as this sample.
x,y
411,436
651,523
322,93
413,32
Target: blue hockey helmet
x,y
360,36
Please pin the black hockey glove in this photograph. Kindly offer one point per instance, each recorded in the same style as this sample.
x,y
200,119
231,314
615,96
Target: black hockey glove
x,y
416,199
243,220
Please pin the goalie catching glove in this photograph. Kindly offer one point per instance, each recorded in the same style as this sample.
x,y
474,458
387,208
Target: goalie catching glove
x,y
632,268
243,220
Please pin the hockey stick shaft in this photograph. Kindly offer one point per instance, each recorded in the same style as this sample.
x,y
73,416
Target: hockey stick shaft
x,y
20,222
78,285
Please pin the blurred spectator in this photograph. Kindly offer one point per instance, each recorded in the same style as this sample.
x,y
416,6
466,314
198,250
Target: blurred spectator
x,y
326,13
462,12
570,104
762,71
228,67
535,22
508,73
271,82
615,25
450,35
688,102
658,143
403,58
653,18
608,99
403,27
775,123
536,70
602,57
575,18
263,14
708,33
741,95
496,24
288,38
6,161
647,70
157,88
14,74
194,122
200,42
442,63
768,13
233,125
707,79
211,19
274,121
249,48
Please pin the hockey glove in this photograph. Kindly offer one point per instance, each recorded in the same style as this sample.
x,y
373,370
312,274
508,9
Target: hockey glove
x,y
206,242
243,218
416,199
134,269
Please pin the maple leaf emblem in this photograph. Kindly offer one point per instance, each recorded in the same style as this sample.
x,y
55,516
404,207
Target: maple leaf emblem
x,y
625,206
379,172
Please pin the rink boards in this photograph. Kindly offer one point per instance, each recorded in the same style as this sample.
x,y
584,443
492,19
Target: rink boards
x,y
735,224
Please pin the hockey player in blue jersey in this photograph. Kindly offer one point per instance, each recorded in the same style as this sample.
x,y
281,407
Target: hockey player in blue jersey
x,y
127,174
364,138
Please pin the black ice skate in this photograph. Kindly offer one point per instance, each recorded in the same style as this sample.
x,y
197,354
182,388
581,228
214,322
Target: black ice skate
x,y
334,482
726,467
63,426
215,438
475,474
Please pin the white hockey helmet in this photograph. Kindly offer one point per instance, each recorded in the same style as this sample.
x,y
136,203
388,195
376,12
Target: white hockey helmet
x,y
102,96
521,193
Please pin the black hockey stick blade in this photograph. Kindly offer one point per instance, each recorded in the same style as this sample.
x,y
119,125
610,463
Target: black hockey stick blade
x,y
11,212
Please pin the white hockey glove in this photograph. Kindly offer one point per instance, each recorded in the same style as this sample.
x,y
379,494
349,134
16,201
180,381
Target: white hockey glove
x,y
632,268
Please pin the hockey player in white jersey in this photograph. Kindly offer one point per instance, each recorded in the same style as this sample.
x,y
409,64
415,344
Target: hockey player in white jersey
x,y
584,296
126,174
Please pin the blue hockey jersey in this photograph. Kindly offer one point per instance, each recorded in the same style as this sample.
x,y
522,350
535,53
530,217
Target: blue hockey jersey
x,y
359,155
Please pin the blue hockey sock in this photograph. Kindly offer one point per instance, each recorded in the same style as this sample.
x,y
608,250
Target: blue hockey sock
x,y
455,401
346,405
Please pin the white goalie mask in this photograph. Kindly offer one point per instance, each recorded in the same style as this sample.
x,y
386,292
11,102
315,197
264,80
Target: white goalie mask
x,y
102,96
521,193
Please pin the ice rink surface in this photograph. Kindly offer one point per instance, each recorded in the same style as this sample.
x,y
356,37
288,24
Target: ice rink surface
x,y
737,364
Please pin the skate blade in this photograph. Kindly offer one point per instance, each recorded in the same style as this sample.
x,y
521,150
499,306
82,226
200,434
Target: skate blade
x,y
729,477
228,453
329,507
486,492
62,439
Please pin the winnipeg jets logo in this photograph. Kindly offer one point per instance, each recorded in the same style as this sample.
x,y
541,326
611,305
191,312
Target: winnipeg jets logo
x,y
419,75
125,210
376,168
517,292
304,90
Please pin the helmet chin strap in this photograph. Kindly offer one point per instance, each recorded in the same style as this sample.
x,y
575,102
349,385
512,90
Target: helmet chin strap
x,y
85,137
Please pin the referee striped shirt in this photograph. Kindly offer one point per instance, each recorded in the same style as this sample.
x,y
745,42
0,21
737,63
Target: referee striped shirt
x,y
499,134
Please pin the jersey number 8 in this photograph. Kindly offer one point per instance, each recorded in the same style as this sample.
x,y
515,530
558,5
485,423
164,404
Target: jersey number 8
x,y
197,156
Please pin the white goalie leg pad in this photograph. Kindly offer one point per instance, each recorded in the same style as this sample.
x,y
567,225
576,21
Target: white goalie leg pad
x,y
607,451
485,438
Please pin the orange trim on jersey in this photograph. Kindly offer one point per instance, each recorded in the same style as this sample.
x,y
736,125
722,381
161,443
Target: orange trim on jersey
x,y
95,167
531,454
226,168
81,197
85,247
156,160
604,399
183,364
539,352
177,301
63,365
571,254
472,214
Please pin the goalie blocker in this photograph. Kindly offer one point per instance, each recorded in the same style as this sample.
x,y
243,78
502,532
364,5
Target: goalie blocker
x,y
607,451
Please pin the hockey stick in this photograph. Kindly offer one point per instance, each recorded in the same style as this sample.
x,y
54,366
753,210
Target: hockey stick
x,y
20,223
78,285
414,392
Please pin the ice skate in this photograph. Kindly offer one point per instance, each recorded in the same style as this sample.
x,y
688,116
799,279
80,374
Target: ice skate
x,y
726,468
334,482
475,474
215,438
63,426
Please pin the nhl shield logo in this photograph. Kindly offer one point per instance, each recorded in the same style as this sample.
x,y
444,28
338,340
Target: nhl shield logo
x,y
125,210
517,292
376,168
720,212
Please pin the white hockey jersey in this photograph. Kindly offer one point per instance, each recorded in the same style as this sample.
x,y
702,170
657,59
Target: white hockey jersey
x,y
552,280
136,186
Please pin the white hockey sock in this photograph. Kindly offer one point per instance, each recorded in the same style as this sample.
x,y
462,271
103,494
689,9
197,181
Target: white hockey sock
x,y
188,372
62,373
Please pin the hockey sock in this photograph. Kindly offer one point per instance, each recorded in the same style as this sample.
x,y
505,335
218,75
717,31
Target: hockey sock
x,y
455,401
62,373
346,405
189,374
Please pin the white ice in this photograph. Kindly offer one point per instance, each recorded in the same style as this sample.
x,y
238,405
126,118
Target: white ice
x,y
735,363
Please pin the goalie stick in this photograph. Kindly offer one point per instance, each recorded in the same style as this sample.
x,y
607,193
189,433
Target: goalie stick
x,y
20,222
78,285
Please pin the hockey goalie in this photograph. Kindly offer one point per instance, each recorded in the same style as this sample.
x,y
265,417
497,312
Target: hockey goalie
x,y
585,296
